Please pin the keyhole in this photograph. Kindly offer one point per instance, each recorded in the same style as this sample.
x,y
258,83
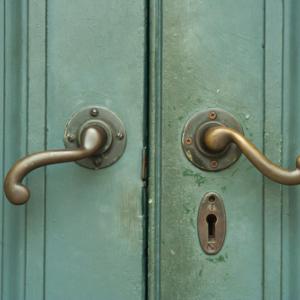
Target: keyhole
x,y
211,222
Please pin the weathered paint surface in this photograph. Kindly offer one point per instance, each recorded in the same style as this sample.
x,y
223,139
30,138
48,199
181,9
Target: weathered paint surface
x,y
241,56
291,148
81,235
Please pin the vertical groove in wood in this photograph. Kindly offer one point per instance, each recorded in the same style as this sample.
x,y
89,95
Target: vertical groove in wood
x,y
2,128
273,131
288,280
281,296
45,147
146,140
13,220
155,78
36,142
26,112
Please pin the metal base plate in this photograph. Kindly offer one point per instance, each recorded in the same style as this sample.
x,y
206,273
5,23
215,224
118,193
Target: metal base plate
x,y
113,126
192,136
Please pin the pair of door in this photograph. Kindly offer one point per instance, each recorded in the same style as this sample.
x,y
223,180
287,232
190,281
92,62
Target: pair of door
x,y
112,233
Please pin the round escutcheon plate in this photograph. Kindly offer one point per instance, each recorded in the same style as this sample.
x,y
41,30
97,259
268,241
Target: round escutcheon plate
x,y
192,138
99,117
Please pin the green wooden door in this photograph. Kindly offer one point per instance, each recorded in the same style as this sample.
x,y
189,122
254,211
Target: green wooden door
x,y
93,234
81,236
243,57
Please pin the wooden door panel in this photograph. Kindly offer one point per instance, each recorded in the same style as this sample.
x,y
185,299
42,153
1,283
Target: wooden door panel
x,y
240,57
81,236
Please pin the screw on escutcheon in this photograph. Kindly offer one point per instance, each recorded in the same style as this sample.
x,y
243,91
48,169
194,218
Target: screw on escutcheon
x,y
212,198
94,112
188,141
98,161
71,137
120,135
214,164
212,115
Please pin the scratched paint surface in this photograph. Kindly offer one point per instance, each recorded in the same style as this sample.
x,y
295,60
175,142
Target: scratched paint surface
x,y
239,56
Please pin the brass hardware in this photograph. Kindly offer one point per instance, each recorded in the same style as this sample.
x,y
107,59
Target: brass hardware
x,y
194,148
218,138
211,223
92,138
212,115
101,117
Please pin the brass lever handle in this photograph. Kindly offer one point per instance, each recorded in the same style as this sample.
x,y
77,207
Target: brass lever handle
x,y
217,138
92,140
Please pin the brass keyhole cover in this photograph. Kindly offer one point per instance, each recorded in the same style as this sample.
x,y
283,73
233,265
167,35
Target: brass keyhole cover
x,y
211,223
97,116
192,140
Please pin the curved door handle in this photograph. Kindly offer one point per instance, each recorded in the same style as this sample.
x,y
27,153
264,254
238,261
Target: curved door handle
x,y
92,140
216,139
94,137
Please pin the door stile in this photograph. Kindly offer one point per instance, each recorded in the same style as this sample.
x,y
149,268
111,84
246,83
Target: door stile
x,y
291,145
15,127
273,133
2,127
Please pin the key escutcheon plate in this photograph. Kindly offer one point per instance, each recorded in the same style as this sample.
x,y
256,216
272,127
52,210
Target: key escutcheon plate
x,y
211,208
